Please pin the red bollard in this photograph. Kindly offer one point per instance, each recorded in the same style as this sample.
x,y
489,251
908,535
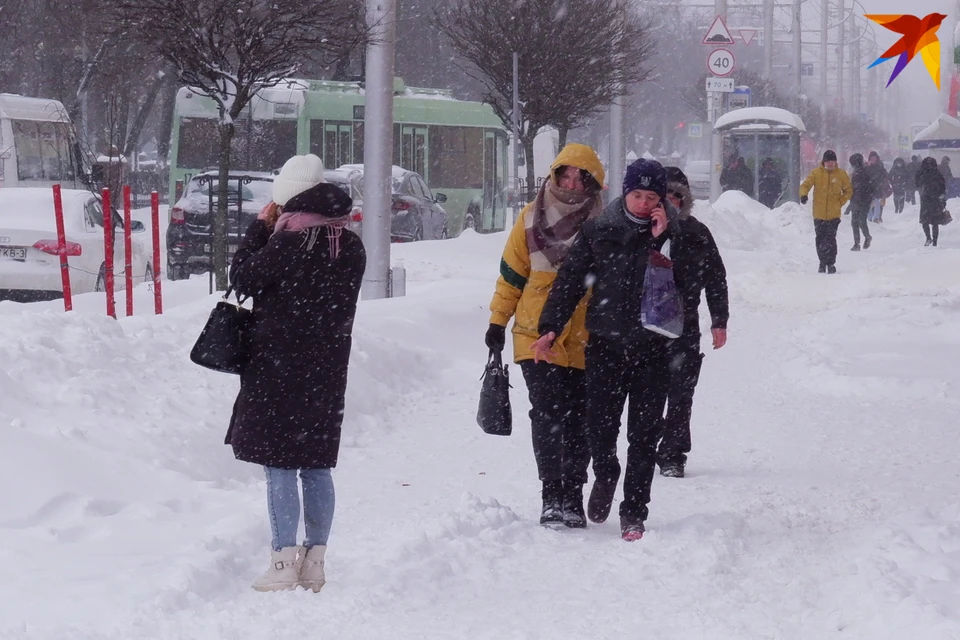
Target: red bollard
x,y
62,249
155,219
108,243
127,251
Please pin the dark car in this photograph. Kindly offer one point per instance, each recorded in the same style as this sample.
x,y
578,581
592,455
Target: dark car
x,y
190,234
415,212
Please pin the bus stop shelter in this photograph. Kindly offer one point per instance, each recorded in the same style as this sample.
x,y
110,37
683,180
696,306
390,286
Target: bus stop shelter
x,y
756,133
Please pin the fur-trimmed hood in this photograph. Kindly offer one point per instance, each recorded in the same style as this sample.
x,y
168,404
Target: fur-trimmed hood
x,y
684,190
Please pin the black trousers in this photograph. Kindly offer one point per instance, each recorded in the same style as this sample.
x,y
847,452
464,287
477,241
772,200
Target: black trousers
x,y
616,374
858,219
898,202
826,231
684,361
557,421
936,231
912,196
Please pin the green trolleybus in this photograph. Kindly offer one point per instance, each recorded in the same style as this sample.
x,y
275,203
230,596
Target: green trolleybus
x,y
459,147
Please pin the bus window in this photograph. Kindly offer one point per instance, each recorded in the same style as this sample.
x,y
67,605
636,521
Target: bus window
x,y
456,157
263,147
42,150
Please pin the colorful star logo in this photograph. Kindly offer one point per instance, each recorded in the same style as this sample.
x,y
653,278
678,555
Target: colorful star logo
x,y
919,35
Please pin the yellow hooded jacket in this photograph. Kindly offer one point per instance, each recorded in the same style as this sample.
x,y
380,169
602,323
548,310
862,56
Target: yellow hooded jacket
x,y
831,190
522,292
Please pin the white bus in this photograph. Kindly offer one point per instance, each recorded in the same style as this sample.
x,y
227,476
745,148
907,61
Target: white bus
x,y
36,143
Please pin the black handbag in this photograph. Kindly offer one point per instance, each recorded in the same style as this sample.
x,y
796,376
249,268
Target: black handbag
x,y
494,415
222,345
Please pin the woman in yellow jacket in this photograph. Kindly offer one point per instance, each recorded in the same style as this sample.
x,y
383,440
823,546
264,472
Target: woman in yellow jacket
x,y
831,190
539,242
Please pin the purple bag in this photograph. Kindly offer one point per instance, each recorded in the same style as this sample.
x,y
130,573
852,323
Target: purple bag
x,y
661,307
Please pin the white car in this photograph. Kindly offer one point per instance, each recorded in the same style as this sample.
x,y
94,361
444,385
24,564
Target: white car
x,y
29,264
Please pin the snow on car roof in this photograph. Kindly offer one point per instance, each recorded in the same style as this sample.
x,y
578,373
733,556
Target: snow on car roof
x,y
30,208
397,173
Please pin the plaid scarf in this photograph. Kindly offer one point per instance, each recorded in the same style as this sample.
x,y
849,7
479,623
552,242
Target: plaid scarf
x,y
553,224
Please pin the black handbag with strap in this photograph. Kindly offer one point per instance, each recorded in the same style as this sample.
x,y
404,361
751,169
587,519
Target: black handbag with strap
x,y
222,345
494,414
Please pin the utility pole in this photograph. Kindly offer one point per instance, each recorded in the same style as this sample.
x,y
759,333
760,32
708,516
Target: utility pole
x,y
824,37
516,135
797,50
841,32
767,38
855,69
378,147
872,87
716,140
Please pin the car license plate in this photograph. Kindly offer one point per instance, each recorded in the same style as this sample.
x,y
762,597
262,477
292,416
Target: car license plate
x,y
14,253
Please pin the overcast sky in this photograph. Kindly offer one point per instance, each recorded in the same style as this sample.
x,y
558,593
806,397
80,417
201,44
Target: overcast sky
x,y
919,100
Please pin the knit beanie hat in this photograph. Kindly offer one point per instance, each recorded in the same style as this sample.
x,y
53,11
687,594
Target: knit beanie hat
x,y
829,155
298,174
648,175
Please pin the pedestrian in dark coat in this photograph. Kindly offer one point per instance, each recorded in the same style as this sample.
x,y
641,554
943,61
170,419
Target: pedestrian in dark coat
x,y
912,169
946,172
933,199
737,177
303,269
623,359
899,178
771,183
698,267
860,202
881,186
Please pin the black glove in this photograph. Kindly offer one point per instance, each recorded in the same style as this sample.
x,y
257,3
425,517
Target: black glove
x,y
803,199
496,337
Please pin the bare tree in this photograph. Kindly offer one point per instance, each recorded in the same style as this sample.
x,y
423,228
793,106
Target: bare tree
x,y
228,50
576,57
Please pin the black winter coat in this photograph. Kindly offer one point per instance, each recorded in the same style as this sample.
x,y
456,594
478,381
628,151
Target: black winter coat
x,y
611,253
863,190
899,179
933,190
290,408
879,177
698,267
771,185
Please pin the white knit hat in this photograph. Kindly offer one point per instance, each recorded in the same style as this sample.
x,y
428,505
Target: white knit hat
x,y
298,174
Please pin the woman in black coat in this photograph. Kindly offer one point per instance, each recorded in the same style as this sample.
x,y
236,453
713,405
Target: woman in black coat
x,y
899,177
933,194
303,269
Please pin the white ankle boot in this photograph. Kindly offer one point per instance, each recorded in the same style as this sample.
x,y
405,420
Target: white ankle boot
x,y
284,571
311,569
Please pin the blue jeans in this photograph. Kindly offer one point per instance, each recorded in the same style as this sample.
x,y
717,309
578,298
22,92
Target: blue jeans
x,y
876,210
283,504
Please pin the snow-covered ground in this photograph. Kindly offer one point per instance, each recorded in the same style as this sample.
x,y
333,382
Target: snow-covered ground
x,y
821,499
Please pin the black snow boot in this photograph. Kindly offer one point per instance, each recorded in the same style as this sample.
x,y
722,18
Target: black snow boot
x,y
671,470
856,247
601,499
831,268
573,516
822,269
552,512
867,241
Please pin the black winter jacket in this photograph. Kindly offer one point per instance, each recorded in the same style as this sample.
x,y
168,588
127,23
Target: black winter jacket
x,y
863,190
698,267
290,407
611,255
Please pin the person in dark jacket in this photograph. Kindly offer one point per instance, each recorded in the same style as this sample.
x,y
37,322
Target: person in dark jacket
x,y
771,183
737,177
698,267
861,202
899,178
912,169
881,184
933,199
303,269
946,172
623,359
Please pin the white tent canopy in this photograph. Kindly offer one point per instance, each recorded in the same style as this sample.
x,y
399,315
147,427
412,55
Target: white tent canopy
x,y
943,133
773,117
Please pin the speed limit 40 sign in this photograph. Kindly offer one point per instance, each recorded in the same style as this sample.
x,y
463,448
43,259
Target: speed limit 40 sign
x,y
721,62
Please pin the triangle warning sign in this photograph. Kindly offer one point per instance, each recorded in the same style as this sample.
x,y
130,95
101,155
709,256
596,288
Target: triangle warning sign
x,y
718,33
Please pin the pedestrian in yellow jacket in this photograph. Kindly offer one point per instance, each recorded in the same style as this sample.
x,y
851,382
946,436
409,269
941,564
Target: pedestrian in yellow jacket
x,y
537,246
831,190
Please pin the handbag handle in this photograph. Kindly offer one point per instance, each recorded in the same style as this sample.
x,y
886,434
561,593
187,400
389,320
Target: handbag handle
x,y
231,288
495,358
